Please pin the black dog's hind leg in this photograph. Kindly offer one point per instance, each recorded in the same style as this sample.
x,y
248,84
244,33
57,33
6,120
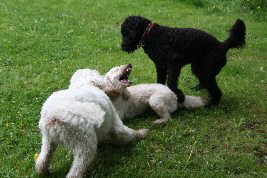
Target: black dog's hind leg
x,y
161,74
212,87
173,74
207,79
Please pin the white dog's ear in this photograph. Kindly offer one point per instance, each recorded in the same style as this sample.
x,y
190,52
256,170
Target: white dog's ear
x,y
110,90
112,93
126,95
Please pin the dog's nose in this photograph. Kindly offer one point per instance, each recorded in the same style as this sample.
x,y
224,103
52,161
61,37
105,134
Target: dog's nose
x,y
129,65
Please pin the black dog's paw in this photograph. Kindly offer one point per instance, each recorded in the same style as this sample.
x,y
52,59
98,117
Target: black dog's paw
x,y
211,104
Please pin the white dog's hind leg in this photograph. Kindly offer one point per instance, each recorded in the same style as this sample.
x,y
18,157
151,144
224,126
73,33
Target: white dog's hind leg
x,y
84,151
43,161
162,107
163,113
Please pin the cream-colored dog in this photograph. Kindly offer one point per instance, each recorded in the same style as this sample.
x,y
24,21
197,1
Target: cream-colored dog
x,y
131,101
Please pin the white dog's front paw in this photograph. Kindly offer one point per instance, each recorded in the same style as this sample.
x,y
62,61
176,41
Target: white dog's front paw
x,y
161,121
142,133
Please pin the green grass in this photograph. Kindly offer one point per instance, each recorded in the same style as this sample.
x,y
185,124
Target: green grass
x,y
44,42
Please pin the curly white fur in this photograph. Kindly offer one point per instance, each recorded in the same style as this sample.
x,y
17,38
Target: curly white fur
x,y
131,101
84,77
79,119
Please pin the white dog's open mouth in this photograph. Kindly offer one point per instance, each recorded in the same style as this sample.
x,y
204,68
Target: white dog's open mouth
x,y
125,74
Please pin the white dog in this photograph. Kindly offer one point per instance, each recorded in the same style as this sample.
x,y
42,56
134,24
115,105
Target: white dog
x,y
131,101
79,119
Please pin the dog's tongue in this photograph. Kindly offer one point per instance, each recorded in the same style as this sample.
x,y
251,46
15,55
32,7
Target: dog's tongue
x,y
124,81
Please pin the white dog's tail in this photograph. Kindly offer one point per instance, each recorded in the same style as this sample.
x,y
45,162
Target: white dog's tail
x,y
77,114
192,102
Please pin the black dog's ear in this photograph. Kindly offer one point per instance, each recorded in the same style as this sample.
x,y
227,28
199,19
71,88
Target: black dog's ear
x,y
138,23
145,22
142,23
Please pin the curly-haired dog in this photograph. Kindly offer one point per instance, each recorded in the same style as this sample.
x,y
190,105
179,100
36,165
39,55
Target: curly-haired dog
x,y
172,48
79,119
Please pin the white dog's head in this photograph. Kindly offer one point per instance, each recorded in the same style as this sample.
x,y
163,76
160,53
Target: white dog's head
x,y
116,81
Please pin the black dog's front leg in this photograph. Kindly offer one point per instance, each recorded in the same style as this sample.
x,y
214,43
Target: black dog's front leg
x,y
161,74
173,75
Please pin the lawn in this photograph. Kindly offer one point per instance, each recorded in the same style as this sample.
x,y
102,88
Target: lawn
x,y
44,42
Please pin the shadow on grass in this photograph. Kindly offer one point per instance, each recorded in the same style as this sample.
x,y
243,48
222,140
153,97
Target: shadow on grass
x,y
108,157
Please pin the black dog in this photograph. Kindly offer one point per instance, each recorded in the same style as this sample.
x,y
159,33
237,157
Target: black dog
x,y
172,48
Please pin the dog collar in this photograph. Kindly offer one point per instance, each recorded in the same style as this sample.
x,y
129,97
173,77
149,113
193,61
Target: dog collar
x,y
147,32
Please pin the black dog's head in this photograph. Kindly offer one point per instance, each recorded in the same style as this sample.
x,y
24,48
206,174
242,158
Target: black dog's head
x,y
132,30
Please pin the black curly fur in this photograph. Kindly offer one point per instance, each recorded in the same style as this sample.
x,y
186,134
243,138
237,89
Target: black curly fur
x,y
172,48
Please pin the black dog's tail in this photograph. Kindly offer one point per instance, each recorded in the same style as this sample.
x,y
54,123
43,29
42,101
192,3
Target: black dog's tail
x,y
237,35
